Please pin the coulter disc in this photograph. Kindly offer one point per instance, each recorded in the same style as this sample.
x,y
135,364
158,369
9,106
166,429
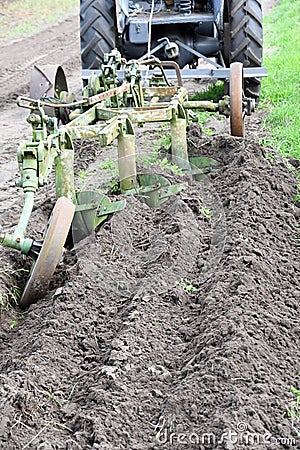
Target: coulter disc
x,y
51,252
49,81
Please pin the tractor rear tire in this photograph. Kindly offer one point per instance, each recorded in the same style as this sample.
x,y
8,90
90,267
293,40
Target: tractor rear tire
x,y
246,39
97,31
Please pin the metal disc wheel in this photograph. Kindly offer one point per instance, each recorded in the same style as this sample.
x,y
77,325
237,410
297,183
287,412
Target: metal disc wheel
x,y
236,100
50,253
47,80
50,81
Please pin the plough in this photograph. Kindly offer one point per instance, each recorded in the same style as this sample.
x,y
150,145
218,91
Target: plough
x,y
115,98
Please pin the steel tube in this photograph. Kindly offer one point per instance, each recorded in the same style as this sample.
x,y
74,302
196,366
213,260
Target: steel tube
x,y
64,174
25,216
17,240
127,161
179,143
201,104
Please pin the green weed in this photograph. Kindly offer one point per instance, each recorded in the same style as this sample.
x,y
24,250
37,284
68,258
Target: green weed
x,y
164,141
10,293
203,117
293,409
206,212
109,164
186,285
154,158
214,93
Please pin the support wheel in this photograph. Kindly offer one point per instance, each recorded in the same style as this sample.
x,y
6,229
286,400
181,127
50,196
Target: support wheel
x,y
50,81
236,100
50,253
47,80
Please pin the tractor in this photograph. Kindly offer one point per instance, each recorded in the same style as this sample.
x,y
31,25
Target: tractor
x,y
220,32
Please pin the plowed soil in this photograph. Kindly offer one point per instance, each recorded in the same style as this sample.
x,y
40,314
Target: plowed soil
x,y
170,328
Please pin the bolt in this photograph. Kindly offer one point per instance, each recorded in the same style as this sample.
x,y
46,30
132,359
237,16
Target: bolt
x,y
18,239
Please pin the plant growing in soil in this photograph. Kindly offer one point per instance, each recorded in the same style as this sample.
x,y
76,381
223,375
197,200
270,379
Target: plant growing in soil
x,y
10,293
186,285
109,164
214,93
155,159
293,409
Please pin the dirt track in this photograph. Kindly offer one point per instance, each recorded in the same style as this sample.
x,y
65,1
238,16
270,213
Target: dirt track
x,y
119,355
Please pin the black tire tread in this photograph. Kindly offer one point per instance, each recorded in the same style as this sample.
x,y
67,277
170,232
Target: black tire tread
x,y
97,31
246,39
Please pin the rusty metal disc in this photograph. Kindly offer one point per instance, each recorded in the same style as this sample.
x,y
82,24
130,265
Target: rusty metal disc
x,y
50,81
236,99
47,80
50,253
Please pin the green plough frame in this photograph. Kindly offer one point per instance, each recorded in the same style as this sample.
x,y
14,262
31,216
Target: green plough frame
x,y
108,111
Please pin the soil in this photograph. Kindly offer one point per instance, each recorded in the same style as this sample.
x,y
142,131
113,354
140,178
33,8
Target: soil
x,y
169,328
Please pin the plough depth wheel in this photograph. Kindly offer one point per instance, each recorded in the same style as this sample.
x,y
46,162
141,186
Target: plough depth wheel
x,y
49,81
51,251
236,99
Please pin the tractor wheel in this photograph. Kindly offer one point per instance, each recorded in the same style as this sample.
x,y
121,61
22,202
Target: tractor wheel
x,y
243,38
97,31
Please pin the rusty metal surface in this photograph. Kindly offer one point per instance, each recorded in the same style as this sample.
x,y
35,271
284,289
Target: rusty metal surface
x,y
51,252
110,93
236,99
47,80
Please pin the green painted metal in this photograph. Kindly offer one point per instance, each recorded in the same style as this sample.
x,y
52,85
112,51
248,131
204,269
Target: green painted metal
x,y
107,112
178,139
155,113
202,105
126,155
154,189
17,240
64,169
84,219
201,166
92,209
22,244
113,207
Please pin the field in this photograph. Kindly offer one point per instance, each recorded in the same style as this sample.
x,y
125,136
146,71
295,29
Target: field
x,y
170,328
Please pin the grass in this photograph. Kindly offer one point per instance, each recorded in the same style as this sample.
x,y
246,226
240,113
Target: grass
x,y
280,90
23,17
213,93
10,292
293,410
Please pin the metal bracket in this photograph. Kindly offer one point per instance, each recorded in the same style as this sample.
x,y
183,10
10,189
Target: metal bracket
x,y
92,209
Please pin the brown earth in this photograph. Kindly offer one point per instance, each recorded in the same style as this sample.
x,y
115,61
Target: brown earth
x,y
171,328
